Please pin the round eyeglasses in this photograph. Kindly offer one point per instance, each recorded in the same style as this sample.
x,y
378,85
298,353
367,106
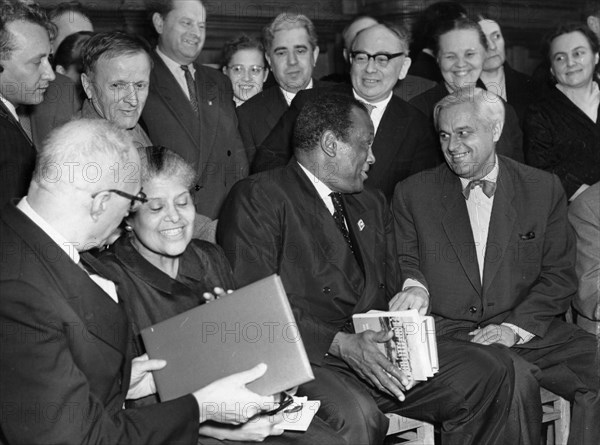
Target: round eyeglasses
x,y
240,70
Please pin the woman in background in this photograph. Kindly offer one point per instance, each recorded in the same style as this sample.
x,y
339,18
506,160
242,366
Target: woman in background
x,y
245,65
562,131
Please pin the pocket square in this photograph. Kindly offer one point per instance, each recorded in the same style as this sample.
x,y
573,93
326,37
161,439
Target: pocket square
x,y
527,236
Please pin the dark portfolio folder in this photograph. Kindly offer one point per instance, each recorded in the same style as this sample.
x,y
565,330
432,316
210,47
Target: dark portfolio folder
x,y
252,325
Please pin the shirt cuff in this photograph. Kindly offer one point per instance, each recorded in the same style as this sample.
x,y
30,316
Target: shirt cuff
x,y
410,282
582,188
524,336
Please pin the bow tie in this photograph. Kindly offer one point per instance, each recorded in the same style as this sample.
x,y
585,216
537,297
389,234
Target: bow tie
x,y
488,187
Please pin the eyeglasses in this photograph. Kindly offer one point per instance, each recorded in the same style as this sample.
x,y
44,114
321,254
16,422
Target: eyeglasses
x,y
239,70
381,59
136,200
286,400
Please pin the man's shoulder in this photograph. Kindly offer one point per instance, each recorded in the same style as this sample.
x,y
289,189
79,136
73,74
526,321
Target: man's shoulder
x,y
261,100
525,176
208,74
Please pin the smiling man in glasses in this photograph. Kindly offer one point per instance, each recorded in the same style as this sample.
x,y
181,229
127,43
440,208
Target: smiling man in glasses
x,y
404,142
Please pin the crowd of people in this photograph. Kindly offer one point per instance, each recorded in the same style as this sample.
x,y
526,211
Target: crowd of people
x,y
136,183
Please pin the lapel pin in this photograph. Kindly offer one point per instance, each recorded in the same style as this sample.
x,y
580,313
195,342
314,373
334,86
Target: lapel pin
x,y
210,103
527,236
360,224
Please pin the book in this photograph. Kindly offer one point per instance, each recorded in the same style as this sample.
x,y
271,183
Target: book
x,y
253,325
413,347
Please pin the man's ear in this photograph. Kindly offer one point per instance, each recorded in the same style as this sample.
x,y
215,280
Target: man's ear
x,y
87,85
157,21
328,142
60,70
405,67
497,130
315,55
99,204
593,23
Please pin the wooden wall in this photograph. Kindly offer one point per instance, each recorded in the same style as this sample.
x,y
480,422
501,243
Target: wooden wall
x,y
524,22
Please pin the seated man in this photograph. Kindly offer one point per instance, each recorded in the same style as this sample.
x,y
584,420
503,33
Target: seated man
x,y
64,342
489,241
291,221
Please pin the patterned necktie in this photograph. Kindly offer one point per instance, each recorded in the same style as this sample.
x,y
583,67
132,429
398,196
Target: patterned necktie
x,y
189,80
488,187
369,107
339,215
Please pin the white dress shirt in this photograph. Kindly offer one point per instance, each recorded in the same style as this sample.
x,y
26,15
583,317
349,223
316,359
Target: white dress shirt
x,y
176,70
377,113
10,107
289,97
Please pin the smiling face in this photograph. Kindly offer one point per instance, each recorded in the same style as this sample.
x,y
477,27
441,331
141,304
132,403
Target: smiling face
x,y
292,58
245,83
27,72
118,88
572,60
496,54
163,226
460,57
182,31
372,82
468,141
354,156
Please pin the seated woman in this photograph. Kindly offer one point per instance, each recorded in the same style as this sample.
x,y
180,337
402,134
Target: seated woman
x,y
562,130
245,65
161,271
461,48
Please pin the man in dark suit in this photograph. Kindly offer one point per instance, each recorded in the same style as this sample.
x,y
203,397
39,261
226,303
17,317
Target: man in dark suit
x,y
487,245
291,48
330,240
25,73
190,107
65,367
404,141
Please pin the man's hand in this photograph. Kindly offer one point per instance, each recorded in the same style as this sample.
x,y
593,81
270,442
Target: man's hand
x,y
227,400
494,333
413,297
256,429
142,383
361,353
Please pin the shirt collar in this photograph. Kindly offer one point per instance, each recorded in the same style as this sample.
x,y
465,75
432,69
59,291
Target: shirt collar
x,y
492,176
320,186
173,66
289,97
10,107
67,246
381,105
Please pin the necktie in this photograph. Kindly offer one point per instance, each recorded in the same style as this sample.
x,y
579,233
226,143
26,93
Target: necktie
x,y
24,120
189,80
488,187
369,107
339,215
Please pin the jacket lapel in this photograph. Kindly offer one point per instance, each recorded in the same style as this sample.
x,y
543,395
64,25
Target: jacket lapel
x,y
392,128
457,227
502,222
6,114
209,114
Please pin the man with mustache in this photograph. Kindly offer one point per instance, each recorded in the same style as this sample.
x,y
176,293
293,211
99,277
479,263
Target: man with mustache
x,y
25,72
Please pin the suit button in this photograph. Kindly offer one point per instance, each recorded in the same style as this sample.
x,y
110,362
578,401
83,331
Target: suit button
x,y
326,290
228,152
197,187
381,286
472,309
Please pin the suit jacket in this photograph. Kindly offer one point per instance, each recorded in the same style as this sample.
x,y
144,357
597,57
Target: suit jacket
x,y
61,102
520,91
275,222
584,215
209,141
529,275
17,158
65,367
511,140
404,143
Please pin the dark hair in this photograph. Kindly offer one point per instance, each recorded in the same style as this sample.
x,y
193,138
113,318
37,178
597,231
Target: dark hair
x,y
239,43
329,111
288,21
462,23
70,51
591,7
399,31
109,45
14,10
157,160
68,7
567,28
426,26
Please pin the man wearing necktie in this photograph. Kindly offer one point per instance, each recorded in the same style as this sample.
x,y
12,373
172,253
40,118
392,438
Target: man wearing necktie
x,y
485,245
25,73
330,239
190,107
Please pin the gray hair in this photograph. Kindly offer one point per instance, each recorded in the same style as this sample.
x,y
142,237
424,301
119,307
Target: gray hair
x,y
288,21
489,106
158,161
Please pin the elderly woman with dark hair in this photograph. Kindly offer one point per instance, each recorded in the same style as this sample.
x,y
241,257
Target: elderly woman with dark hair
x,y
245,64
161,271
562,130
